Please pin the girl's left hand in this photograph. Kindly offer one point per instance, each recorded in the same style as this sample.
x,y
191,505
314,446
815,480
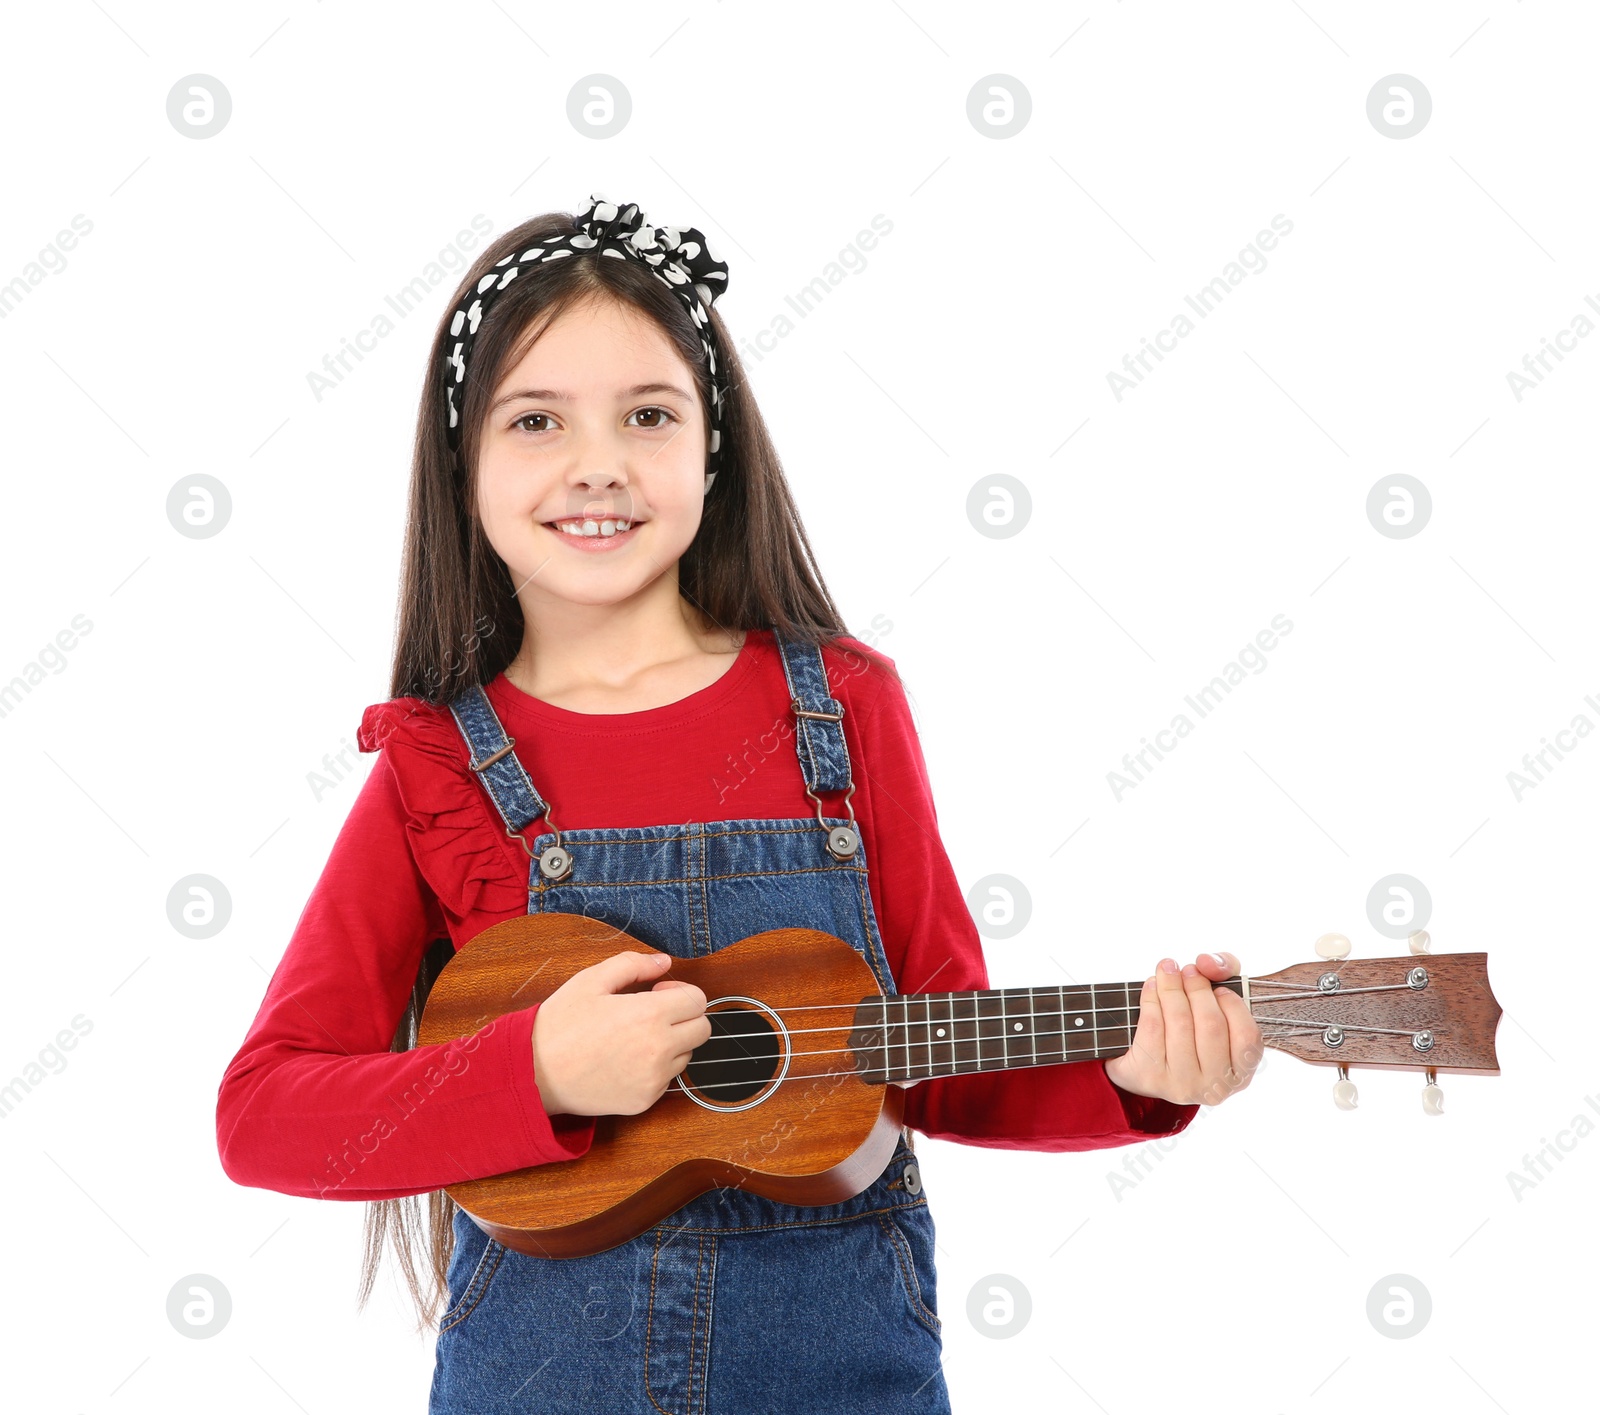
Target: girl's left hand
x,y
1193,1045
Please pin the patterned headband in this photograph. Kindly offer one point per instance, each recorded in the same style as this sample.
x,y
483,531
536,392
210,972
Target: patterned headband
x,y
679,257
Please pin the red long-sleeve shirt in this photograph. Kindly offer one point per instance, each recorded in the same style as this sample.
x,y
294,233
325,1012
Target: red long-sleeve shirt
x,y
315,1104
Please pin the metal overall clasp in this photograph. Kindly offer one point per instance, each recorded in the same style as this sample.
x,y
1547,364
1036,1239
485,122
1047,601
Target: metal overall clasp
x,y
555,861
843,840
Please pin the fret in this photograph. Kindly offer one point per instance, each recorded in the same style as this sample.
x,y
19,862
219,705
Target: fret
x,y
964,1030
990,1009
917,1044
941,1034
908,1025
895,1039
1058,1033
924,1006
1033,1027
884,1059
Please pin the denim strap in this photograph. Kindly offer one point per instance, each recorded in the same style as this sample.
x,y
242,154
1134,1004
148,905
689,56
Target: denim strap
x,y
509,786
819,741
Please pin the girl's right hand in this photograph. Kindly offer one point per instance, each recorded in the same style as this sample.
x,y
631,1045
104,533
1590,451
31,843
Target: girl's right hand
x,y
600,1051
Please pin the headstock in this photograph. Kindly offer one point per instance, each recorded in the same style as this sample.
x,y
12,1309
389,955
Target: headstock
x,y
1420,1012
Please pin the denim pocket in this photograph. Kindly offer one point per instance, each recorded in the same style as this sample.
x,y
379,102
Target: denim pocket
x,y
909,1229
466,1295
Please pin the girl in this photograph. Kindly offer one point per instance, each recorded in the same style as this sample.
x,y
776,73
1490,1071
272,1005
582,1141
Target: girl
x,y
611,625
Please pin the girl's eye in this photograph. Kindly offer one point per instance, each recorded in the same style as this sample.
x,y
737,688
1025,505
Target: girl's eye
x,y
525,417
660,414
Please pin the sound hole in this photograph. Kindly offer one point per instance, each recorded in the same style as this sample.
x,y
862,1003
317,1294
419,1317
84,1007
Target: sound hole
x,y
739,1057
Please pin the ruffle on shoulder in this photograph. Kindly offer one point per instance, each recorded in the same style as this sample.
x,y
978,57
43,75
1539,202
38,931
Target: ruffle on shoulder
x,y
456,834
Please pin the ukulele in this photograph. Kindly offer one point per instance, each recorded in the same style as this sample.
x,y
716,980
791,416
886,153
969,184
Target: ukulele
x,y
798,1093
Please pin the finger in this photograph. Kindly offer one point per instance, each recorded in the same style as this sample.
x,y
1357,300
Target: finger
x,y
686,1038
1245,1046
1183,1066
623,970
1224,968
1218,967
1149,1035
677,1004
1210,1035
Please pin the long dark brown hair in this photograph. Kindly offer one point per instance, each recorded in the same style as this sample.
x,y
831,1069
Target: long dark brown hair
x,y
749,566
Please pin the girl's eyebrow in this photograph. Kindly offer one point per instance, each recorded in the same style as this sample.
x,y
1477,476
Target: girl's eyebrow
x,y
551,395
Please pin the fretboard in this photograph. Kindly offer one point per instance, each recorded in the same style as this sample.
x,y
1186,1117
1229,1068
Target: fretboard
x,y
918,1036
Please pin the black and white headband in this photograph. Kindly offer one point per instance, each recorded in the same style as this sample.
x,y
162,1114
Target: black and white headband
x,y
679,257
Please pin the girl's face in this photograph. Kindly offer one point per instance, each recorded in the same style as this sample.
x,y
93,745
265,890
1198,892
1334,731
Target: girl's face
x,y
601,421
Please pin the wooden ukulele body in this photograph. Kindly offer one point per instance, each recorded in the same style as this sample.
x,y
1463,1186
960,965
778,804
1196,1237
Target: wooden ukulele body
x,y
782,1113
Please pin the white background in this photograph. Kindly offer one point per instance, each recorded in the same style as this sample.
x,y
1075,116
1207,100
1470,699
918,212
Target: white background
x,y
1166,530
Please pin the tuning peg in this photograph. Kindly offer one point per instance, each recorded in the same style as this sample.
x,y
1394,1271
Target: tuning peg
x,y
1344,1090
1432,1096
1333,946
1420,941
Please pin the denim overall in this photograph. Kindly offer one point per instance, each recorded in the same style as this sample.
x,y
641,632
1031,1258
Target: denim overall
x,y
734,1304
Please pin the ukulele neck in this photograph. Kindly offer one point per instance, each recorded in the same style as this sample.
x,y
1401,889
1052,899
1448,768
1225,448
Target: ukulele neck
x,y
920,1036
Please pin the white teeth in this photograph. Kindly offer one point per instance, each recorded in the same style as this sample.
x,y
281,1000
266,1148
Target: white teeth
x,y
593,528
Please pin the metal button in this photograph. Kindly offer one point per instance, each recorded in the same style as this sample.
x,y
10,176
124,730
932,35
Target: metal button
x,y
912,1179
841,842
555,863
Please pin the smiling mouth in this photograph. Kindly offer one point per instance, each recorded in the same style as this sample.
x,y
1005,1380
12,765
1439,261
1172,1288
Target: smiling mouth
x,y
592,528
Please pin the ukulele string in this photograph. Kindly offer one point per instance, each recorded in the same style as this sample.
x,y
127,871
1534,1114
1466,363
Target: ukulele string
x,y
1018,1065
907,1019
865,1071
1099,987
1068,1053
